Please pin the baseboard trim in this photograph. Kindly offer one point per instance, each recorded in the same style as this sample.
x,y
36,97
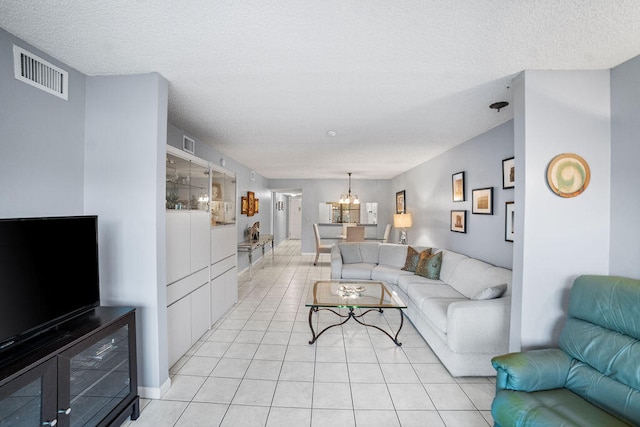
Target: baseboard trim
x,y
154,392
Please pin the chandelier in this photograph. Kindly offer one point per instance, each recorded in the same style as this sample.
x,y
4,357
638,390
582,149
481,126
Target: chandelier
x,y
348,199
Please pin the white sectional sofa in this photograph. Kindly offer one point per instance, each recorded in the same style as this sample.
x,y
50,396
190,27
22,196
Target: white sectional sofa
x,y
465,333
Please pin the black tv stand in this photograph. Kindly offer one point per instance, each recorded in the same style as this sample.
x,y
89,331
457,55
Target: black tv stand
x,y
82,372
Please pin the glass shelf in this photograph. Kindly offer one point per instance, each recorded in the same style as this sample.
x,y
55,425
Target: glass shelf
x,y
223,198
187,184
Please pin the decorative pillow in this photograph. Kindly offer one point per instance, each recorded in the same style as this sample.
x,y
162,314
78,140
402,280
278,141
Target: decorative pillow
x,y
413,257
429,265
492,292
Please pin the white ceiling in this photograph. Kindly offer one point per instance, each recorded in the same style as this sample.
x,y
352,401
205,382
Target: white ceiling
x,y
400,81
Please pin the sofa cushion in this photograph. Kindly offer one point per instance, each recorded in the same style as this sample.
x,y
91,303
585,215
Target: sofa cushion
x,y
450,261
370,252
419,293
350,253
388,273
429,265
360,271
466,278
609,393
491,292
405,281
393,254
548,408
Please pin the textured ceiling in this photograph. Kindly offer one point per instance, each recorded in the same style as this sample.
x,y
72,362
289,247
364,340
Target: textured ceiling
x,y
263,81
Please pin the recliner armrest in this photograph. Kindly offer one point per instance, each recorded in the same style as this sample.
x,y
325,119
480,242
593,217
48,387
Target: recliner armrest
x,y
532,370
336,262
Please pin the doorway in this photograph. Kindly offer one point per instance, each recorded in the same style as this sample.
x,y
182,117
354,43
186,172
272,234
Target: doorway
x,y
295,218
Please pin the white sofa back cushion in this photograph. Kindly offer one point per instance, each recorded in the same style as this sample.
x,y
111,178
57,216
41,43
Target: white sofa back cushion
x,y
472,276
450,261
358,252
350,253
370,252
393,254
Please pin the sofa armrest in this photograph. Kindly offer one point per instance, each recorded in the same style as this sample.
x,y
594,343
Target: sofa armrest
x,y
336,262
479,326
532,370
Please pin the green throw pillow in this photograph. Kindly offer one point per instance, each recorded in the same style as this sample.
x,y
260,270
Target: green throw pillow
x,y
429,266
413,257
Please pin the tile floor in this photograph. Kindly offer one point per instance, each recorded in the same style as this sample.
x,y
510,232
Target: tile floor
x,y
256,368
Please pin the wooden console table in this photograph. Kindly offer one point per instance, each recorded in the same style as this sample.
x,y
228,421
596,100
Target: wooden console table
x,y
249,245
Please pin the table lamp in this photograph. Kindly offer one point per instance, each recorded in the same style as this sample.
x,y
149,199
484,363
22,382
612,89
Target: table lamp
x,y
402,221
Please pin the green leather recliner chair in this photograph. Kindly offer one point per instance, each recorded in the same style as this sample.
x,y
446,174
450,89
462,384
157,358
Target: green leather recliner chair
x,y
593,378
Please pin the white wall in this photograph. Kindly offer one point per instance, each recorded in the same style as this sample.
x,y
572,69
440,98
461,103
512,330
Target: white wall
x,y
625,173
428,197
126,129
558,112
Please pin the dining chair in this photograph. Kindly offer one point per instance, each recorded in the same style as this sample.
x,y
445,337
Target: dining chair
x,y
387,233
355,234
320,248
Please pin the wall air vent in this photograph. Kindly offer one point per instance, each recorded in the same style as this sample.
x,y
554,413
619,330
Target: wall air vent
x,y
37,72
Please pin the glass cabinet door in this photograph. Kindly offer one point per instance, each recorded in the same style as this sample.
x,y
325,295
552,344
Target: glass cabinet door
x,y
187,184
99,378
223,198
30,399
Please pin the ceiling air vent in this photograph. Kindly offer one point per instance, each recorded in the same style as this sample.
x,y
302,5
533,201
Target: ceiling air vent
x,y
37,72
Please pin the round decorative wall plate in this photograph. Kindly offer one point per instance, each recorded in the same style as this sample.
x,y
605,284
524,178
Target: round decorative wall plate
x,y
568,175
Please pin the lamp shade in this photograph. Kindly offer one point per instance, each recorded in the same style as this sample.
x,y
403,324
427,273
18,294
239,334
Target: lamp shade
x,y
402,220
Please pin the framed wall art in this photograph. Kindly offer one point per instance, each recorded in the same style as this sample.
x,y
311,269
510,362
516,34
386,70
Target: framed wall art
x,y
509,220
568,175
482,201
401,206
459,221
256,209
457,187
508,173
244,206
251,203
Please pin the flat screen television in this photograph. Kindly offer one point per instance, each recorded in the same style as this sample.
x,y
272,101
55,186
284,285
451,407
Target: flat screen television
x,y
48,273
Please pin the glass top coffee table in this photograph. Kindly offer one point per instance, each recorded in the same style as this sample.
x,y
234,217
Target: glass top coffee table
x,y
352,294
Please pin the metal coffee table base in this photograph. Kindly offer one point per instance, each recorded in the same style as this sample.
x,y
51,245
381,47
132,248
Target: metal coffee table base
x,y
355,317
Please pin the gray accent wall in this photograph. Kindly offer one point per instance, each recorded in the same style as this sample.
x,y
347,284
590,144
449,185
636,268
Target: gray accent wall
x,y
429,199
41,142
624,254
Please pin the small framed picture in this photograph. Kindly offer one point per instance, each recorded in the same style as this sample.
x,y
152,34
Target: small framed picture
x,y
257,206
457,187
188,144
508,173
401,206
244,206
251,203
509,221
459,221
482,201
